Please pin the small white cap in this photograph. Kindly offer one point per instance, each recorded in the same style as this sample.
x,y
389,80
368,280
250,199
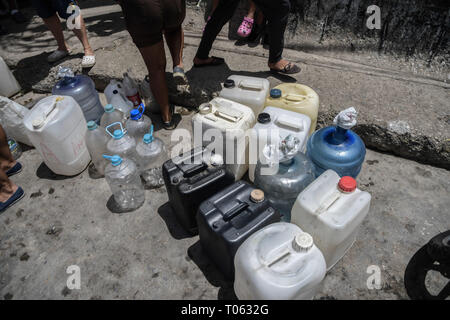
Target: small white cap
x,y
216,160
205,108
302,242
38,122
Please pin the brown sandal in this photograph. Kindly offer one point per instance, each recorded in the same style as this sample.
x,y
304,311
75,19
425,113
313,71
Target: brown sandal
x,y
290,68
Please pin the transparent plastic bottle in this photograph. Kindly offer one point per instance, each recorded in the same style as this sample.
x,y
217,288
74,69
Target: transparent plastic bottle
x,y
15,148
111,115
146,94
125,184
138,124
151,156
121,143
131,89
96,140
82,89
283,179
114,87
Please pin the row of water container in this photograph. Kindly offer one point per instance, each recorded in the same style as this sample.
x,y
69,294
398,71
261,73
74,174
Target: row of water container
x,y
279,236
241,231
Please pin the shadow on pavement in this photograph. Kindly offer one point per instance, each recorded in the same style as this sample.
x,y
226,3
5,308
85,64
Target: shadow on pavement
x,y
174,227
211,273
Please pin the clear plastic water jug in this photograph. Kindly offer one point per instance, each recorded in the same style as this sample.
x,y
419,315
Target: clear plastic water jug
x,y
249,91
146,94
138,124
226,123
278,262
111,115
121,144
14,148
82,89
125,183
96,140
337,147
131,90
11,119
114,87
286,173
57,129
331,209
276,123
8,83
151,154
297,98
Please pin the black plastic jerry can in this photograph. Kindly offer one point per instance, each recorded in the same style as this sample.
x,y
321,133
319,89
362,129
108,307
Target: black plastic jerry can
x,y
190,179
228,218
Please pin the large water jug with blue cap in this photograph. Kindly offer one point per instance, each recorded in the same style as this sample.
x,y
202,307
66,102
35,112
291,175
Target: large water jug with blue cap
x,y
283,173
138,124
121,143
151,156
82,89
96,140
111,115
337,147
125,183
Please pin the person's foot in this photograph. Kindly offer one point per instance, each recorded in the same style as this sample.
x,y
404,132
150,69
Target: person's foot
x,y
256,34
245,28
211,61
88,61
284,66
14,169
18,17
168,123
7,201
57,55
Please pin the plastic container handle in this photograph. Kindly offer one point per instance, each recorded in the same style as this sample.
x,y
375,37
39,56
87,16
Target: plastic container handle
x,y
296,97
290,123
143,109
113,124
235,211
252,85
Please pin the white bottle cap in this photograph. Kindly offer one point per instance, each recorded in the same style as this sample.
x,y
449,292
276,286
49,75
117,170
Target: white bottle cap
x,y
216,160
38,122
302,242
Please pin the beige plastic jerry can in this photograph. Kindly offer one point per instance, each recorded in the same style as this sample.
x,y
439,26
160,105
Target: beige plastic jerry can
x,y
298,98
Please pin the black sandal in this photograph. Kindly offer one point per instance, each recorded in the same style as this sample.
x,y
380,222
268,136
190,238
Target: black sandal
x,y
290,68
215,61
170,125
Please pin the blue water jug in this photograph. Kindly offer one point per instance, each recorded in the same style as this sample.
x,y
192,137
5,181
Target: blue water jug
x,y
82,89
337,147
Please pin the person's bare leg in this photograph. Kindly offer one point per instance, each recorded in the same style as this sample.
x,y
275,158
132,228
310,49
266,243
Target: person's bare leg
x,y
6,158
155,59
82,36
54,25
175,42
214,6
251,10
7,187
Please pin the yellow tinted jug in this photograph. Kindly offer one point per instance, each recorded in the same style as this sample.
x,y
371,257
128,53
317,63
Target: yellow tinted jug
x,y
296,97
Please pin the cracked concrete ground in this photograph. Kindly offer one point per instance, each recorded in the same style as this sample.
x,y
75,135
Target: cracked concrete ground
x,y
145,254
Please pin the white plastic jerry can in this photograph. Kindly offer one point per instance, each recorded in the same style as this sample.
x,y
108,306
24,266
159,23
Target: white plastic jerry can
x,y
331,209
278,262
8,83
249,91
276,123
57,128
223,127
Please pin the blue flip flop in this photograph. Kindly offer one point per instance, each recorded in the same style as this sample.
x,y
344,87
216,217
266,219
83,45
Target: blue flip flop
x,y
13,199
14,170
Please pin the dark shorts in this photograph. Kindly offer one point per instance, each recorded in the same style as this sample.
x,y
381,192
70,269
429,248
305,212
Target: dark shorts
x,y
48,8
146,19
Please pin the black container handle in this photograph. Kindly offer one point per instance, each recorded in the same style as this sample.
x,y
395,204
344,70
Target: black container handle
x,y
235,211
192,170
